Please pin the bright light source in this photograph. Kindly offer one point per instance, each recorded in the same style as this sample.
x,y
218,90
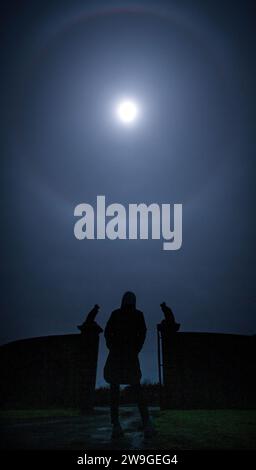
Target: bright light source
x,y
127,111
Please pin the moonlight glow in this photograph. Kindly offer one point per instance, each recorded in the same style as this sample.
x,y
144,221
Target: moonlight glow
x,y
127,111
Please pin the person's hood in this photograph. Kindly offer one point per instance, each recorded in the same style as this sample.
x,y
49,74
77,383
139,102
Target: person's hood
x,y
128,300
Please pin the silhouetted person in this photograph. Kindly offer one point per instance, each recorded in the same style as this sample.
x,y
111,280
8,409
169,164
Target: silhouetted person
x,y
125,334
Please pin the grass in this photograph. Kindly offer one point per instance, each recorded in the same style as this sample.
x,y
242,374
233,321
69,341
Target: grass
x,y
206,429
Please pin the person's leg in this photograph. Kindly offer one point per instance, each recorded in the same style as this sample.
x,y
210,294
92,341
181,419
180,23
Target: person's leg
x,y
149,430
114,403
141,402
117,431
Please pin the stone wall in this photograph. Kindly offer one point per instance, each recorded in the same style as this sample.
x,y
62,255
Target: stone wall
x,y
52,371
204,370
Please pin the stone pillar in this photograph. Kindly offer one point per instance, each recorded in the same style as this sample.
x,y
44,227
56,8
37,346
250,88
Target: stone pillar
x,y
166,331
88,353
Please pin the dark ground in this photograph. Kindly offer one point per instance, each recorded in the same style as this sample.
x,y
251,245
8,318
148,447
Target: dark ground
x,y
177,429
73,432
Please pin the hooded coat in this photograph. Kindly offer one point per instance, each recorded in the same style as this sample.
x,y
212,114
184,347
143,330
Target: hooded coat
x,y
125,334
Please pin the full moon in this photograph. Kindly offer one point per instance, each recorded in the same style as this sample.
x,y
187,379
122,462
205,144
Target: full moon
x,y
127,111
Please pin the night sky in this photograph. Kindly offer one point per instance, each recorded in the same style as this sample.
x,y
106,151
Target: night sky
x,y
190,65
